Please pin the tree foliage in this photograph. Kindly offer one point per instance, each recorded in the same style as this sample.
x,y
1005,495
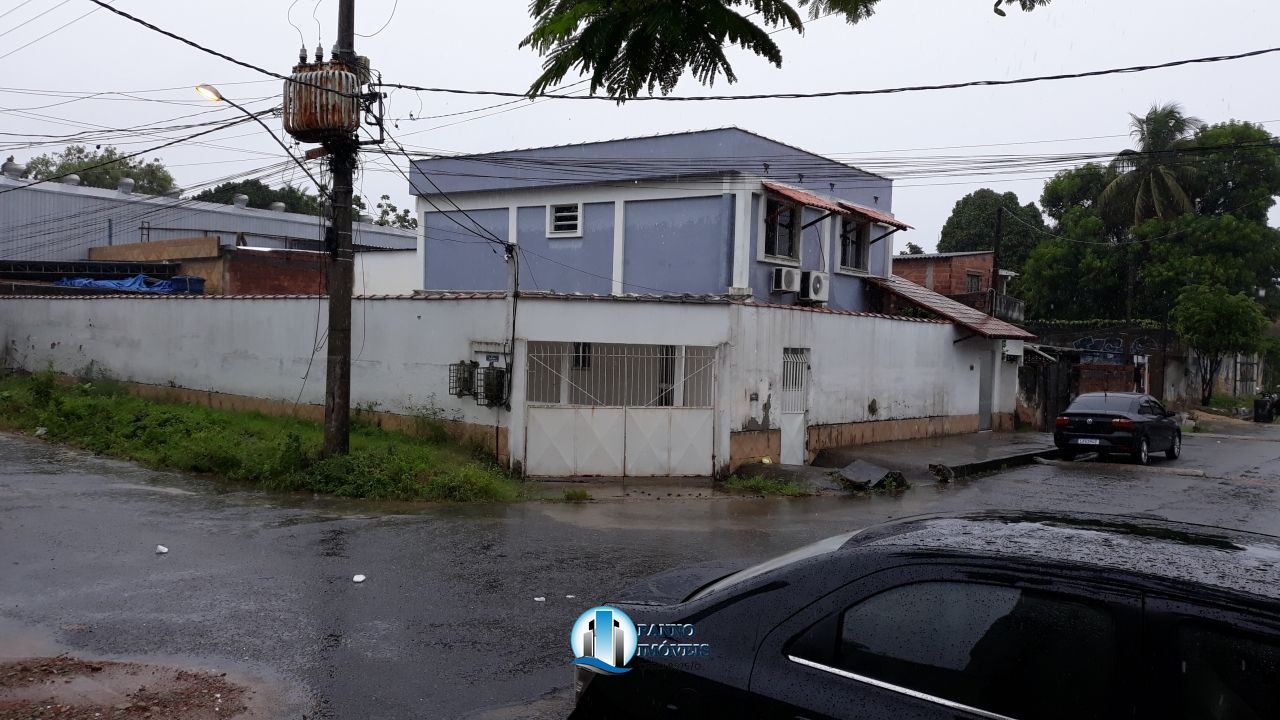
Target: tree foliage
x,y
1152,181
631,46
1216,323
262,195
1105,266
391,216
972,226
149,176
912,249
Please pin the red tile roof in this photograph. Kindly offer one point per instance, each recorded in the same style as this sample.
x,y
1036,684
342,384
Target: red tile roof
x,y
806,198
962,315
840,207
876,216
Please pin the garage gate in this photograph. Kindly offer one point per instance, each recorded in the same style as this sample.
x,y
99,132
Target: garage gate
x,y
619,409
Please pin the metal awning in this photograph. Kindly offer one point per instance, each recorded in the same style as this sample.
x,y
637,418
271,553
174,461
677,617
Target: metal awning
x,y
958,313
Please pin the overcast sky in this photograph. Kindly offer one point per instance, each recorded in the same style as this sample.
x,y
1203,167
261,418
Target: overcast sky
x,y
474,45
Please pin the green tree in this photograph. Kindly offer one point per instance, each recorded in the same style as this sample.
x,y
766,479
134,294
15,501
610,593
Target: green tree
x,y
629,46
1223,251
391,216
1075,188
149,176
262,195
1242,178
972,226
912,249
1152,181
1216,323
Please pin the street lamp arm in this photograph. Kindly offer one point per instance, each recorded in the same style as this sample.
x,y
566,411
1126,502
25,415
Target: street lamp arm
x,y
212,93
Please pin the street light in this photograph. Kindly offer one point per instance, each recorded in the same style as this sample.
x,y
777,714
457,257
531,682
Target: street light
x,y
212,93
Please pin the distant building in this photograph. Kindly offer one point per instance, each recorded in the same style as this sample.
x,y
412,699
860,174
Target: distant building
x,y
63,220
966,277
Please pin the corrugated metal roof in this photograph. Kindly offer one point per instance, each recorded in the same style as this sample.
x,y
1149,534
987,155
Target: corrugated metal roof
x,y
935,256
57,221
963,315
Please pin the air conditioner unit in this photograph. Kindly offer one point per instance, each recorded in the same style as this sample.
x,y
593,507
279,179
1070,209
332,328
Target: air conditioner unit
x,y
815,286
786,280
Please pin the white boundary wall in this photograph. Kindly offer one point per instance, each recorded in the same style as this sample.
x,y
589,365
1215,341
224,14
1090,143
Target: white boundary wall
x,y
260,347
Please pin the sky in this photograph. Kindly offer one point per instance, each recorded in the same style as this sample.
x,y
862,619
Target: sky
x,y
475,46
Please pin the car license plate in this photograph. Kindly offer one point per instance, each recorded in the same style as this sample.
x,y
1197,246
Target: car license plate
x,y
1088,441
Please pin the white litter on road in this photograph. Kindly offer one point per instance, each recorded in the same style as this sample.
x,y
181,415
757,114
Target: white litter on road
x,y
160,549
569,597
539,599
357,579
40,431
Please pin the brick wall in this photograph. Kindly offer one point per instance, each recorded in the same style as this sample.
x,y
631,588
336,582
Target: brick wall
x,y
1106,378
278,272
949,273
160,250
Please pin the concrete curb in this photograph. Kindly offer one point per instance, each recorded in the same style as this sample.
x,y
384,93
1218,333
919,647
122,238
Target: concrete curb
x,y
1161,469
999,463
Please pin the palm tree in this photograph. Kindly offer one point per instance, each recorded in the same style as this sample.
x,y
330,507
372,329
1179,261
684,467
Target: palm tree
x,y
1152,178
629,46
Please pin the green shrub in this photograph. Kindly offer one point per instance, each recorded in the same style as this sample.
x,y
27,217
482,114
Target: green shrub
x,y
761,485
576,495
274,452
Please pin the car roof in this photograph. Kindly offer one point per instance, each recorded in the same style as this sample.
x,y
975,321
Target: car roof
x,y
1111,394
1231,560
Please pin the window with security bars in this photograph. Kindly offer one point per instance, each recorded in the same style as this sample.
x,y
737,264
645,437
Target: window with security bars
x,y
781,229
855,239
564,220
620,375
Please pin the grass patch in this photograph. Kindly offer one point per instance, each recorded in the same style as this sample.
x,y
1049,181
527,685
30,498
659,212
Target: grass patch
x,y
760,485
277,453
1230,402
576,495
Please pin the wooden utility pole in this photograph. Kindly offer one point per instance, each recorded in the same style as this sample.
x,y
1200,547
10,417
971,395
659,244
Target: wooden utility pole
x,y
343,152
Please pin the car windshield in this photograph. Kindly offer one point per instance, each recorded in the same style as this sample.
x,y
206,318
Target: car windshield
x,y
1095,403
821,547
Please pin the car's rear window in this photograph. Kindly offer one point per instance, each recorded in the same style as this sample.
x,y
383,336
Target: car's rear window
x,y
821,547
1094,403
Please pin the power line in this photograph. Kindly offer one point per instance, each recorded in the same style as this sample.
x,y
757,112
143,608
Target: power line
x,y
130,156
848,93
57,29
1057,236
33,18
394,7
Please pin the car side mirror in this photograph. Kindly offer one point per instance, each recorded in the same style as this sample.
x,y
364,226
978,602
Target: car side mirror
x,y
1168,413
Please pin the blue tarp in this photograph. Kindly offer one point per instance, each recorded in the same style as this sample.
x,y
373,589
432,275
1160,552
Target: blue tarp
x,y
141,283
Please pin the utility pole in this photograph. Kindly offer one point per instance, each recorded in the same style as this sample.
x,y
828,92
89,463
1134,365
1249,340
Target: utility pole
x,y
995,256
343,151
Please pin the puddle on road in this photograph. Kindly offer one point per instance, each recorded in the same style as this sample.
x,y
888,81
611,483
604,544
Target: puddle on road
x,y
267,695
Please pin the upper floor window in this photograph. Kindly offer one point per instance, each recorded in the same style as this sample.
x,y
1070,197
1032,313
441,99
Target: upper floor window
x,y
973,283
781,229
855,240
564,220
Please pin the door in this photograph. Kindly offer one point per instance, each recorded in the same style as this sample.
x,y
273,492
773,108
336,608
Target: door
x,y
946,642
986,369
1211,662
795,404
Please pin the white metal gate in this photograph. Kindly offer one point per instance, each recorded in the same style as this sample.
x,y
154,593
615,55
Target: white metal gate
x,y
795,404
617,409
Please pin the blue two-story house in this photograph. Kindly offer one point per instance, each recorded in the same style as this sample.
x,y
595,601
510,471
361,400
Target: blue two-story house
x,y
712,212
683,304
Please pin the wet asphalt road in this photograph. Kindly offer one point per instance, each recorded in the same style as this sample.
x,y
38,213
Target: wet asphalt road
x,y
446,624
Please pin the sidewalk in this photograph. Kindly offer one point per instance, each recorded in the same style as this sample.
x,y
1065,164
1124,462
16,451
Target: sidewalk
x,y
962,454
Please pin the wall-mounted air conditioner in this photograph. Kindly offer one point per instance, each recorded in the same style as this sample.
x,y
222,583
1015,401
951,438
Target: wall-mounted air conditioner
x,y
785,280
815,286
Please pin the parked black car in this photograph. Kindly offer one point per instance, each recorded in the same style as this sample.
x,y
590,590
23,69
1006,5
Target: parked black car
x,y
993,616
1114,423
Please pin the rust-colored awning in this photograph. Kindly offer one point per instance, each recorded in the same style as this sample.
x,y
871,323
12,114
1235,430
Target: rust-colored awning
x,y
876,216
958,313
839,207
806,198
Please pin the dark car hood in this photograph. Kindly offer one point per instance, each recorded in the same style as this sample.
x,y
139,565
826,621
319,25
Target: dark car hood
x,y
673,586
